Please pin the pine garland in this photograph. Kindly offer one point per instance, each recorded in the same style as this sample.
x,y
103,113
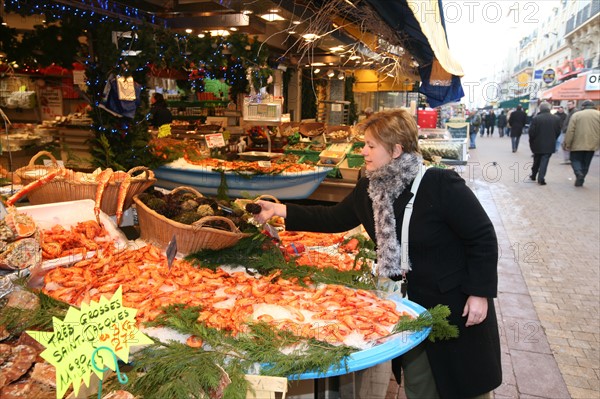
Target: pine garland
x,y
178,369
436,318
261,255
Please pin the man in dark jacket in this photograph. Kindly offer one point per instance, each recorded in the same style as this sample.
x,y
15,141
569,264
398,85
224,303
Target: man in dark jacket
x,y
502,121
490,122
543,132
516,121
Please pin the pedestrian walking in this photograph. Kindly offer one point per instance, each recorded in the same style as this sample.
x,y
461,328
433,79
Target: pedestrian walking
x,y
571,109
583,139
516,121
502,121
543,132
482,126
490,122
475,125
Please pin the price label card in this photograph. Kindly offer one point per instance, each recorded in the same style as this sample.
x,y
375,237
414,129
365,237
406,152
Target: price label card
x,y
69,347
215,140
171,251
264,164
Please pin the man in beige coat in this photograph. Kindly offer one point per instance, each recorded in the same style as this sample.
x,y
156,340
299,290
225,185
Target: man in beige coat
x,y
583,139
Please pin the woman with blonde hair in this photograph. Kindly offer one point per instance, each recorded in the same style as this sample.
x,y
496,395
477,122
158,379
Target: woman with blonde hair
x,y
452,254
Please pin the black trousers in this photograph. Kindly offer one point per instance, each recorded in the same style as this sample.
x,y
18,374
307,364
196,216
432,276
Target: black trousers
x,y
540,166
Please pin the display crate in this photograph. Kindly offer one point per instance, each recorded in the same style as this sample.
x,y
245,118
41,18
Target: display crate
x,y
453,151
348,172
354,158
262,112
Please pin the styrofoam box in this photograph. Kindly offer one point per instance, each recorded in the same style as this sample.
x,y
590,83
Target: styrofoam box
x,y
349,173
68,214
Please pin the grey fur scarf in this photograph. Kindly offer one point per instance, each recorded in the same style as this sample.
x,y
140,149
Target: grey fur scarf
x,y
385,186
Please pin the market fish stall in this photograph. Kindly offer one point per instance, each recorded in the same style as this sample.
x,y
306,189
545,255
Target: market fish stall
x,y
286,185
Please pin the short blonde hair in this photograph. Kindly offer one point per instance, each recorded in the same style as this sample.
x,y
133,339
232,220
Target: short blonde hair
x,y
391,128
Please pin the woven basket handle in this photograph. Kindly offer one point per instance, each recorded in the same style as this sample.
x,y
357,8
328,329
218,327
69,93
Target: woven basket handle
x,y
42,153
143,169
186,188
201,222
267,197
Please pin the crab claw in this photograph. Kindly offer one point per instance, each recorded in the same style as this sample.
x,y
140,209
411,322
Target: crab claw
x,y
33,185
103,178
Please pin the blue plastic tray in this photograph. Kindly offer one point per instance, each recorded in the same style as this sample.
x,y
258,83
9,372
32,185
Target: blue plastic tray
x,y
393,346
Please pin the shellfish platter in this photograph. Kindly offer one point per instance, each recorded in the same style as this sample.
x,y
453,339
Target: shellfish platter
x,y
68,214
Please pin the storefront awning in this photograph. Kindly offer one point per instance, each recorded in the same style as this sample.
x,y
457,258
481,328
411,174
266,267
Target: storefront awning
x,y
421,25
572,89
513,102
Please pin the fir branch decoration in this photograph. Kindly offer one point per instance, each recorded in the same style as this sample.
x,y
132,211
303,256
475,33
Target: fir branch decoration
x,y
260,254
179,370
436,318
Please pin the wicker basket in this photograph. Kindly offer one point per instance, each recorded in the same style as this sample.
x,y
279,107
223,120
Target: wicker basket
x,y
159,230
32,172
61,189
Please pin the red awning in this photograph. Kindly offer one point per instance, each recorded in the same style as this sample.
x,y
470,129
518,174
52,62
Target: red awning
x,y
572,89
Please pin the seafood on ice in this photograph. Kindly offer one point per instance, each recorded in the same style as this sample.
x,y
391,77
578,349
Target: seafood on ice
x,y
19,241
229,299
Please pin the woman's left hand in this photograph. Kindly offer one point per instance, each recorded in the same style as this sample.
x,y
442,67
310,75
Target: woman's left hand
x,y
476,310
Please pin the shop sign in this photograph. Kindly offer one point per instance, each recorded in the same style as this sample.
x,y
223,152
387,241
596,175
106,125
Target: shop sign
x,y
51,102
592,82
537,74
523,79
215,140
549,76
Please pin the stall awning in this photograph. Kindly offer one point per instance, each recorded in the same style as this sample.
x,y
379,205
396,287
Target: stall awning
x,y
421,24
513,102
572,89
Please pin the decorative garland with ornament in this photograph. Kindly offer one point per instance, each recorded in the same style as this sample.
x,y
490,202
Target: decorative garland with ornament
x,y
143,46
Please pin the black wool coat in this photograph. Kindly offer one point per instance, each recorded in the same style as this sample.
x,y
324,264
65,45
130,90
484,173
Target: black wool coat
x,y
453,251
517,121
543,132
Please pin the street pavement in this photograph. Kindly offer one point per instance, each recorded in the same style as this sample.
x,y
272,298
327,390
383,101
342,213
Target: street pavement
x,y
548,290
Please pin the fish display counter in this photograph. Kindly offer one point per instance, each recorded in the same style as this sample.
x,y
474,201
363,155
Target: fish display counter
x,y
285,185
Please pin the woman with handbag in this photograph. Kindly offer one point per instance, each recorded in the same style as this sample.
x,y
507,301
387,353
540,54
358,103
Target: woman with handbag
x,y
452,254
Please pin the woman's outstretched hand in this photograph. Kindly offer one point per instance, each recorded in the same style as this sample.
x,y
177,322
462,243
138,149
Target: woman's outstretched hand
x,y
269,209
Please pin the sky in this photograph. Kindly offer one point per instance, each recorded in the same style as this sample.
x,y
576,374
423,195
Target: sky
x,y
482,33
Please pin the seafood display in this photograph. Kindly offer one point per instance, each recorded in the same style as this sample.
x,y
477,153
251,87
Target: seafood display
x,y
111,190
19,241
102,178
229,299
186,205
58,242
23,374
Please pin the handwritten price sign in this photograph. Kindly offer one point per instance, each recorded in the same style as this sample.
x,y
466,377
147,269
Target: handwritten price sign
x,y
70,346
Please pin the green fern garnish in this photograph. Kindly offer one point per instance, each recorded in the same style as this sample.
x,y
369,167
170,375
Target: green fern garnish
x,y
436,318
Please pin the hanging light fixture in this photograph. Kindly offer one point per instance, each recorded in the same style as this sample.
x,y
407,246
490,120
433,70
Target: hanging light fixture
x,y
341,75
330,73
316,70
